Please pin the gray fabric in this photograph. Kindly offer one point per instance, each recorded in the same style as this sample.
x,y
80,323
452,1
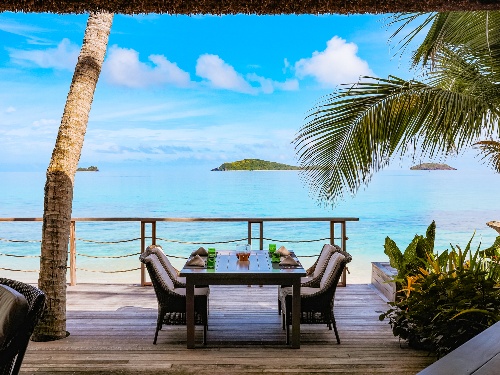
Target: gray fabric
x,y
326,252
161,272
331,268
13,312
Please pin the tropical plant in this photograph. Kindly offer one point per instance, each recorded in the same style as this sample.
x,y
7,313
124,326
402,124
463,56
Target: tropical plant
x,y
360,128
409,262
449,301
58,199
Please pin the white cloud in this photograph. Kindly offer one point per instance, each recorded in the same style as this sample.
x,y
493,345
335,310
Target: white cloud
x,y
222,75
268,85
45,123
26,30
63,57
123,67
337,64
10,110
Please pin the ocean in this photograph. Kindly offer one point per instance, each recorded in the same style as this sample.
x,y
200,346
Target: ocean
x,y
397,203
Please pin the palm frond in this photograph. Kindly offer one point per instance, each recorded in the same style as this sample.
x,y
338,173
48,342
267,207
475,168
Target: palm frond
x,y
479,31
490,151
357,131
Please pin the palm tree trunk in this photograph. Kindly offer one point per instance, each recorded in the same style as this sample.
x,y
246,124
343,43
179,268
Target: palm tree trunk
x,y
61,174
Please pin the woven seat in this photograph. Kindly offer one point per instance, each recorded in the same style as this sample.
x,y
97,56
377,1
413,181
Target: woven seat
x,y
172,300
316,271
317,303
21,306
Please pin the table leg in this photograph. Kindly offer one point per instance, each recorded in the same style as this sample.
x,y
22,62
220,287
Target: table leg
x,y
190,313
296,314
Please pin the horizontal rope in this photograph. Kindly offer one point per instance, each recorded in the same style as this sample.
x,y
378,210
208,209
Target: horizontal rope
x,y
109,242
20,256
9,269
199,243
119,271
7,240
176,241
107,256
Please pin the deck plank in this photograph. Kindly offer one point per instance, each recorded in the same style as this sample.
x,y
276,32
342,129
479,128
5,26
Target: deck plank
x,y
112,328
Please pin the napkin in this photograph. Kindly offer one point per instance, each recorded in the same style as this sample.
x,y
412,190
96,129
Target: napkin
x,y
288,261
283,251
195,261
201,251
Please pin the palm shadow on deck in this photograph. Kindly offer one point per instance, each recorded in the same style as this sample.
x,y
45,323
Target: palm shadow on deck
x,y
112,329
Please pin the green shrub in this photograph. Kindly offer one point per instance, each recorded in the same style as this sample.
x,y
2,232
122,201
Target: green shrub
x,y
449,300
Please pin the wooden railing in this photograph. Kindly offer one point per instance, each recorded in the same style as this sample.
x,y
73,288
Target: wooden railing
x,y
148,231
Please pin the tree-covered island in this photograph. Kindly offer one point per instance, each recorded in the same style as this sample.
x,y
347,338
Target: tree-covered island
x,y
432,167
92,168
254,165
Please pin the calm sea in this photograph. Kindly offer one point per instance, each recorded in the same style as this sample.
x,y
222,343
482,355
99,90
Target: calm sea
x,y
398,204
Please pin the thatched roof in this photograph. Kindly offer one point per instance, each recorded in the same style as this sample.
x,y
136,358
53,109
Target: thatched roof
x,y
245,6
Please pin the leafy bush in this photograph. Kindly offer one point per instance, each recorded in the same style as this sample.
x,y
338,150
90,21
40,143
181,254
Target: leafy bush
x,y
415,255
448,301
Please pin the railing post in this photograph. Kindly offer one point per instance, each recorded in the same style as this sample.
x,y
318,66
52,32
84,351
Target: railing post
x,y
261,234
261,227
72,253
143,246
249,239
343,279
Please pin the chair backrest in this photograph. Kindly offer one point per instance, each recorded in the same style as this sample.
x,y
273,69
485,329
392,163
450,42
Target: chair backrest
x,y
22,306
333,270
158,251
157,273
324,256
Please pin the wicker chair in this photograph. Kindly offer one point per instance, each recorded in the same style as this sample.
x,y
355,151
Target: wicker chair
x,y
317,303
24,313
171,300
316,271
179,282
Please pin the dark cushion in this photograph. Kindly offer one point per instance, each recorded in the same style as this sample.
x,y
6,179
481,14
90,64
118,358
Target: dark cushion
x,y
13,312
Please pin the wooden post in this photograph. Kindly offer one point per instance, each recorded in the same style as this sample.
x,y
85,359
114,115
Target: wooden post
x,y
249,239
143,246
72,254
343,279
332,232
261,235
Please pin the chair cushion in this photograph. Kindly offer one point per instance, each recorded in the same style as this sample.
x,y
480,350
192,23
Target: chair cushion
x,y
331,268
163,258
325,255
307,291
160,271
13,312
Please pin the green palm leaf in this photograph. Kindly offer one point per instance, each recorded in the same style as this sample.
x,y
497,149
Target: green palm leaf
x,y
491,153
359,129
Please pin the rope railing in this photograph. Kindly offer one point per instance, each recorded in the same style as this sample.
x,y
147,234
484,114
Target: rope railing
x,y
151,237
20,241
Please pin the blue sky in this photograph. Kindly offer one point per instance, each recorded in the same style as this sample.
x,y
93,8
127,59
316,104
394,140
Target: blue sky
x,y
178,90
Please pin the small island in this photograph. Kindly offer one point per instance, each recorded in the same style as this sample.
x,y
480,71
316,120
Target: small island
x,y
255,165
432,167
89,169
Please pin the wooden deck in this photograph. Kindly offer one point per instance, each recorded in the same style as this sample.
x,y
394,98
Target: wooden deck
x,y
112,328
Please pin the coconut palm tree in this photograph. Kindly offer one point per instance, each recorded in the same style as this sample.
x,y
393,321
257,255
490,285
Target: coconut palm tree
x,y
361,127
61,173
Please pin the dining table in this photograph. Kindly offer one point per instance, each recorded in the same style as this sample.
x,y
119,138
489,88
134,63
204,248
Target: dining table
x,y
259,269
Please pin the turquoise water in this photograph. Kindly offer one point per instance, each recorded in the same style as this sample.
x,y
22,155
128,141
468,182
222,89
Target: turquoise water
x,y
398,204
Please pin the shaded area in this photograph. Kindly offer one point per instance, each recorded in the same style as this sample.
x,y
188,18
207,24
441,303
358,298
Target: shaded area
x,y
112,329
